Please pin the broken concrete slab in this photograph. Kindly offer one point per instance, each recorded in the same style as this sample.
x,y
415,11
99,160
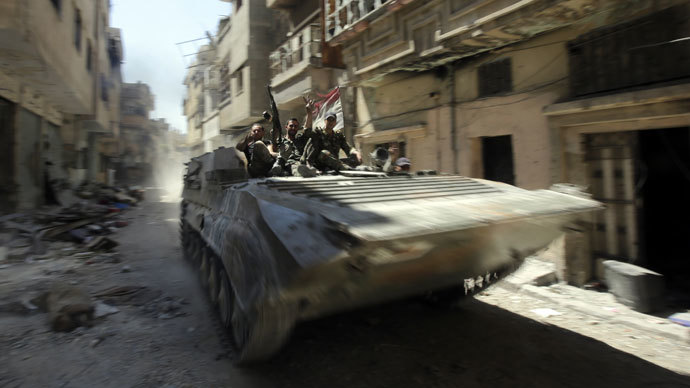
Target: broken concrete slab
x,y
535,272
101,310
636,287
68,307
101,243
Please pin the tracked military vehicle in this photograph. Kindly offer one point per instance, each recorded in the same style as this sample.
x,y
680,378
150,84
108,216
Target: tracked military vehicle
x,y
276,251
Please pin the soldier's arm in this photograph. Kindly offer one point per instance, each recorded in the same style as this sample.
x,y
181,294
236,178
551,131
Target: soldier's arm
x,y
348,149
242,144
308,121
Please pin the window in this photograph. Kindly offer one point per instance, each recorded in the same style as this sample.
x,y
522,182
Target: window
x,y
224,81
239,80
89,54
77,29
104,88
495,78
57,4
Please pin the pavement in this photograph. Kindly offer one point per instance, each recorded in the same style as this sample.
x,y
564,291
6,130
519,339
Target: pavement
x,y
537,278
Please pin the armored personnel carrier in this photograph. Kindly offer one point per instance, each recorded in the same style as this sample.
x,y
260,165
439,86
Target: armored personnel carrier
x,y
276,251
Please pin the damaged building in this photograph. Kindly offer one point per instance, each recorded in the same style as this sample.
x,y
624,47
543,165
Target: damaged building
x,y
226,85
59,74
303,64
137,138
534,93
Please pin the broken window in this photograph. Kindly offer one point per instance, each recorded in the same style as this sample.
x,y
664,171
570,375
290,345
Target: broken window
x,y
495,78
77,29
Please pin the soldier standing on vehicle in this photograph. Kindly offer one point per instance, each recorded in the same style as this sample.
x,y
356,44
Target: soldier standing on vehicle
x,y
259,158
323,149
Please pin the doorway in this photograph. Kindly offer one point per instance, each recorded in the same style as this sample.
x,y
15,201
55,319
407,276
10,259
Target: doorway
x,y
497,159
664,189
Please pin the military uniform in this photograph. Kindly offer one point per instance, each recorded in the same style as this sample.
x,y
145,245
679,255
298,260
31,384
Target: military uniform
x,y
259,158
323,149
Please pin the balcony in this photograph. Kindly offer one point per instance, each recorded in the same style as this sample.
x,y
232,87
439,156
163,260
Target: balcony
x,y
352,15
296,67
383,36
302,49
281,4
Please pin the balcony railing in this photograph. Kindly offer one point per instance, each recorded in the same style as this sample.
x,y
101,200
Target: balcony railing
x,y
305,45
342,15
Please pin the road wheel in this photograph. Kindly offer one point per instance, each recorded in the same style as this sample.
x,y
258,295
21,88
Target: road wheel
x,y
226,300
213,279
204,266
259,334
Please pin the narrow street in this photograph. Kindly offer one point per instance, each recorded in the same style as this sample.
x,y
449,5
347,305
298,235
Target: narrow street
x,y
164,334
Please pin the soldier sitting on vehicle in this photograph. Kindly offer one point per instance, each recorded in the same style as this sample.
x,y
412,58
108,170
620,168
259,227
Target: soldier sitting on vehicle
x,y
294,141
259,158
323,148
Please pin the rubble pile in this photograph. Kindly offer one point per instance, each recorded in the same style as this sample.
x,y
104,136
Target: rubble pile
x,y
65,237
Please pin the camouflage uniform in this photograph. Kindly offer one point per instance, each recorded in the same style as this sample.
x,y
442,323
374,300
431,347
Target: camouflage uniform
x,y
323,149
280,167
259,158
296,163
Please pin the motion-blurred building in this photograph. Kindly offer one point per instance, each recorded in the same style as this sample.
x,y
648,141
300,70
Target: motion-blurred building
x,y
137,135
226,90
303,64
534,93
59,69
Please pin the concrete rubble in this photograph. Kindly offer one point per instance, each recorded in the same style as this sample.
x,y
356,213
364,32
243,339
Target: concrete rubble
x,y
69,235
599,306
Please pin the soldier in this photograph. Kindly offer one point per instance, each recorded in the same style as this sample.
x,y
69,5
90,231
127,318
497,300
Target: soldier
x,y
294,142
323,148
402,165
259,157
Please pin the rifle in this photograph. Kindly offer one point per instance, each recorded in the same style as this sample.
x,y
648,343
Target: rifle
x,y
277,127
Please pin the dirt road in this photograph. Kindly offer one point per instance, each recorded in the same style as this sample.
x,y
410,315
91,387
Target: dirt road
x,y
164,335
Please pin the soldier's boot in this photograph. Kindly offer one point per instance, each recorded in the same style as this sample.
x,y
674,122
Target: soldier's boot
x,y
329,161
304,171
277,169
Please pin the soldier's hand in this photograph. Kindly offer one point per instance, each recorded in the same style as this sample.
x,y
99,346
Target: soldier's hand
x,y
308,104
359,156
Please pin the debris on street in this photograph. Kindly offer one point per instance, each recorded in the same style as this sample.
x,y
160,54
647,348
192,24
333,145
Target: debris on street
x,y
68,307
681,319
546,312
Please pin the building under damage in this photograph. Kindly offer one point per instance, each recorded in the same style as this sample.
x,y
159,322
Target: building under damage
x,y
59,94
226,83
530,93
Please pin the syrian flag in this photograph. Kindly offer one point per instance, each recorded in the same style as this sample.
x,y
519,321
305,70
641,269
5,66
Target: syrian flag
x,y
328,103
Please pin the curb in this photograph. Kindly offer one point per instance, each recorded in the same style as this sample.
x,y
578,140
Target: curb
x,y
670,331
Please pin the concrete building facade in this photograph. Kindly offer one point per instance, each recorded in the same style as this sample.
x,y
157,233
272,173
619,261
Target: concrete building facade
x,y
137,140
235,83
55,70
521,92
303,64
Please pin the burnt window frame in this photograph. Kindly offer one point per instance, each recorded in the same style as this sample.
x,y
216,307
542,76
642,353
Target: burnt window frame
x,y
495,78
